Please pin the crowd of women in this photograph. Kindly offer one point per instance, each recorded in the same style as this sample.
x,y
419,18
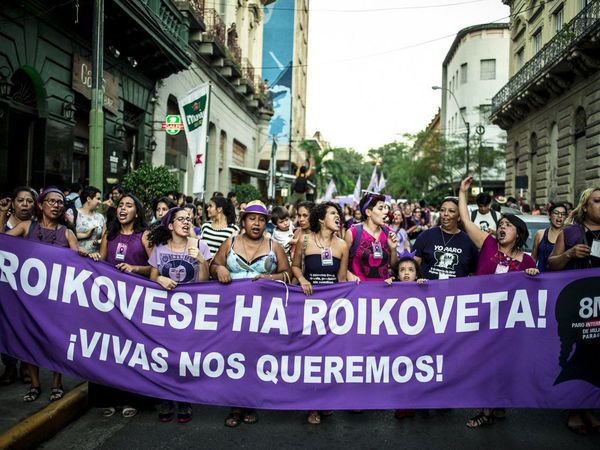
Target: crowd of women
x,y
307,244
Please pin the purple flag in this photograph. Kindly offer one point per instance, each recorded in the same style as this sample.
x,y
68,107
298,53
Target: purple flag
x,y
502,340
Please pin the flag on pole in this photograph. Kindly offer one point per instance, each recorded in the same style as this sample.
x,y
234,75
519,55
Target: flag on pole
x,y
271,188
331,189
194,109
373,183
356,193
381,184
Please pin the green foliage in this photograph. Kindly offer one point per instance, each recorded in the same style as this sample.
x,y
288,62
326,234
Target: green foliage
x,y
148,182
246,193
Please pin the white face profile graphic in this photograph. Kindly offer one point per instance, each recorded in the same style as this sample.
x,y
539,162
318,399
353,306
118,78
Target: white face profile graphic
x,y
446,260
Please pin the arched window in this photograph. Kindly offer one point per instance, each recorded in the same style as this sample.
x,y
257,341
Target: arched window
x,y
579,176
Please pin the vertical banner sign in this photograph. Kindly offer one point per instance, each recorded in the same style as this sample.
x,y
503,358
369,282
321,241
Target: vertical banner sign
x,y
194,112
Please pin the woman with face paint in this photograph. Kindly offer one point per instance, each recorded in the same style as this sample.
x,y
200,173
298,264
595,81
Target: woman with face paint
x,y
48,229
372,244
578,247
250,255
21,209
501,254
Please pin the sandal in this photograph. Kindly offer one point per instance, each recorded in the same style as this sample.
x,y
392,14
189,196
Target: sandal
x,y
314,418
129,411
480,420
326,413
234,418
32,394
249,416
108,412
56,393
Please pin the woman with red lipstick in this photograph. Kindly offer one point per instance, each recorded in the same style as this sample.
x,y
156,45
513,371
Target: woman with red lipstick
x,y
499,254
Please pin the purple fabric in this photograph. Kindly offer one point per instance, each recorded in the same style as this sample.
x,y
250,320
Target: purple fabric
x,y
136,253
488,258
472,342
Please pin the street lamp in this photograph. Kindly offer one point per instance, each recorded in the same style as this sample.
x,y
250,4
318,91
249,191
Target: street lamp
x,y
467,125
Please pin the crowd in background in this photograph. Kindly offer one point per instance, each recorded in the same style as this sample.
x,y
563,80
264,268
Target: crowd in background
x,y
185,240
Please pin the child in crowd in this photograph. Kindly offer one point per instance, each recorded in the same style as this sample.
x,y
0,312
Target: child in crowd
x,y
408,270
283,232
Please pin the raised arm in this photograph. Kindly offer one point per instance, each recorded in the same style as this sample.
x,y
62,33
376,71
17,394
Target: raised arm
x,y
477,235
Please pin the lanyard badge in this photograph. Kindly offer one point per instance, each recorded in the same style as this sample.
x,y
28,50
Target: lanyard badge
x,y
377,250
326,257
121,251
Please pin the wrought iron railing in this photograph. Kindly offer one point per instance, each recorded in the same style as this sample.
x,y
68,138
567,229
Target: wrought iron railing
x,y
577,29
215,27
169,17
193,7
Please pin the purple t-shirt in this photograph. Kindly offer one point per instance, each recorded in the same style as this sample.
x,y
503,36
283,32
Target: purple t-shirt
x,y
179,267
492,261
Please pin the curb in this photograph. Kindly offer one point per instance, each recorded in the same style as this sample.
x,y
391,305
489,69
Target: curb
x,y
44,424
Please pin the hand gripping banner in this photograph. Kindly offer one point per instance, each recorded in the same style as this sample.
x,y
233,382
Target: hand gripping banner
x,y
503,340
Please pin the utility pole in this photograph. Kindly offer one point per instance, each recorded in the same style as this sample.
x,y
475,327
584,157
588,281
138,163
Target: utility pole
x,y
96,150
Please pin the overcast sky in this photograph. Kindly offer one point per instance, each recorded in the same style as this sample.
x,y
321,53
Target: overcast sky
x,y
371,64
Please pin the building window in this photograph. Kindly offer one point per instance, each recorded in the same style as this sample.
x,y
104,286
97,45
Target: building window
x,y
520,58
537,41
463,73
485,111
488,69
559,20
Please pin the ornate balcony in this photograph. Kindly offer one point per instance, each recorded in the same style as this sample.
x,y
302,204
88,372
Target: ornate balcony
x,y
215,28
194,11
573,51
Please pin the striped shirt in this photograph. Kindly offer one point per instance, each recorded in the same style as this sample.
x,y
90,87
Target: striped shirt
x,y
214,238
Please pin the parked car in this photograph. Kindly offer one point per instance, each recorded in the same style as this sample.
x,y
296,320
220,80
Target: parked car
x,y
534,224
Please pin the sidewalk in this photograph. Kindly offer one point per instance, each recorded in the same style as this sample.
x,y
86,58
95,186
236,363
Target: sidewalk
x,y
24,425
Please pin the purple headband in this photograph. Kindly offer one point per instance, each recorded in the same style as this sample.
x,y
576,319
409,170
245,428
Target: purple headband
x,y
166,219
368,202
49,190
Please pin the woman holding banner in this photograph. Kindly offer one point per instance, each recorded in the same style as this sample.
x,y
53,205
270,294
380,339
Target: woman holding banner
x,y
125,246
578,247
50,229
322,259
21,210
250,255
372,244
499,254
177,258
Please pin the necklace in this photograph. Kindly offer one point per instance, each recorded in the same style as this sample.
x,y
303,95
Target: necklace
x,y
594,233
42,237
318,242
262,238
170,245
444,239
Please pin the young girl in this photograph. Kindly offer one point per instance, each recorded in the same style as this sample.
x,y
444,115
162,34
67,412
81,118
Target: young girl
x,y
177,258
408,270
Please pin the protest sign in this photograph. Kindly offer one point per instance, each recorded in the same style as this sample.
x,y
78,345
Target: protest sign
x,y
504,340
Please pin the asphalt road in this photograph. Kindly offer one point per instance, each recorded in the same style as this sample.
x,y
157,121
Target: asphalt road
x,y
522,429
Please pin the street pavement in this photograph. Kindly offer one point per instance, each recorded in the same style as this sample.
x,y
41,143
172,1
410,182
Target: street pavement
x,y
522,429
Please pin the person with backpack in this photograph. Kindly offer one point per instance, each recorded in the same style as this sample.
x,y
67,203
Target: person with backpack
x,y
484,216
372,244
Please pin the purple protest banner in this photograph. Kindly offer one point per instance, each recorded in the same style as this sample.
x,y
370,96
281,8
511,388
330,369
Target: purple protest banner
x,y
504,340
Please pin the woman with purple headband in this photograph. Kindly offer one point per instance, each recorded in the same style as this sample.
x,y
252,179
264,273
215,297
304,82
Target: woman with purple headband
x,y
372,244
48,229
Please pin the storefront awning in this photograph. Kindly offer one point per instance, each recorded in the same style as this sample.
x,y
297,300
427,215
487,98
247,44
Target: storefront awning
x,y
256,173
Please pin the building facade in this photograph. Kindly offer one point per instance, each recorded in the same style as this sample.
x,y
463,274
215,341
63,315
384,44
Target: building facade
x,y
475,68
550,108
226,49
285,51
45,79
